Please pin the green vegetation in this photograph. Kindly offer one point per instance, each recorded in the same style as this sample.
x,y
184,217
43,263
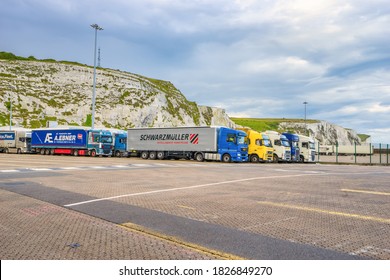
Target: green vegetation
x,y
363,137
11,56
88,121
266,124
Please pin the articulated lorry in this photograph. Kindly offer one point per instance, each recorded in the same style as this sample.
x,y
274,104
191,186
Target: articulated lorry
x,y
119,144
198,143
72,142
307,149
282,149
259,146
15,141
293,139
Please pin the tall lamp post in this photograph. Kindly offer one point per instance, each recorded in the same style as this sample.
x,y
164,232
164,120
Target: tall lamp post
x,y
10,107
96,27
305,103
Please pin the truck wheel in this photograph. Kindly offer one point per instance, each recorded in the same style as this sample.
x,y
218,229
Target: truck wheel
x,y
6,151
226,158
75,153
144,155
152,155
117,154
199,157
301,159
42,151
93,153
160,155
276,158
19,151
254,158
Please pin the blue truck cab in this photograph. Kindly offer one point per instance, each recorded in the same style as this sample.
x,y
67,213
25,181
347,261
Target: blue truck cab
x,y
119,144
232,145
294,144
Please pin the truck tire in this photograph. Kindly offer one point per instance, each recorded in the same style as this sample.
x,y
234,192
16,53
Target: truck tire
x,y
117,154
93,153
42,151
199,157
160,155
144,155
19,151
152,155
6,151
226,158
275,158
254,158
75,153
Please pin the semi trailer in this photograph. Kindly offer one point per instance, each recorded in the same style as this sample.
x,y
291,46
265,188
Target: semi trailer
x,y
72,142
198,143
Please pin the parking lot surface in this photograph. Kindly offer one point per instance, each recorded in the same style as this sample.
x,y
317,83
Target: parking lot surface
x,y
63,207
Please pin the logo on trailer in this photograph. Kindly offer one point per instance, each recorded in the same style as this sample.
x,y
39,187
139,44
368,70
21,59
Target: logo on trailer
x,y
194,138
79,136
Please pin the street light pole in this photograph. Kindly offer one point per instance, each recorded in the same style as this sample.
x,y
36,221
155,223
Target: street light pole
x,y
10,106
10,112
96,27
305,103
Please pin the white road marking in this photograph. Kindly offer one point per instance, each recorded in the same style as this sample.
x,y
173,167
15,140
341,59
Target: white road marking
x,y
186,188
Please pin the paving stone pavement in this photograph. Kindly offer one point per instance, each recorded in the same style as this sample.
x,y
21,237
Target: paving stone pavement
x,y
32,229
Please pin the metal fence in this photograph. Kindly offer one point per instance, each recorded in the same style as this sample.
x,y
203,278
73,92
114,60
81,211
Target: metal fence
x,y
375,153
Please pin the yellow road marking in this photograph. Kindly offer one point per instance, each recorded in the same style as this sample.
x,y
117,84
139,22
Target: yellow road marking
x,y
192,246
323,211
363,191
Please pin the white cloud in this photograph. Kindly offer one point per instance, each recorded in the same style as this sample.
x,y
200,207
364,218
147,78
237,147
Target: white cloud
x,y
254,58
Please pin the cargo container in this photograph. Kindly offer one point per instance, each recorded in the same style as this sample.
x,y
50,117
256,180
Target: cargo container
x,y
199,143
15,141
71,141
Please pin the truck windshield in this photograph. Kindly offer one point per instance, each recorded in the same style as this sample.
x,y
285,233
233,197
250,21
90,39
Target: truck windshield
x,y
240,140
312,146
106,139
294,144
267,143
285,143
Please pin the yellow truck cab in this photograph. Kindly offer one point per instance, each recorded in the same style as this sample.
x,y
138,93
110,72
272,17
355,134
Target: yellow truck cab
x,y
259,146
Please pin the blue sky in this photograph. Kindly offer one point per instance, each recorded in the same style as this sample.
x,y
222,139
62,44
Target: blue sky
x,y
255,58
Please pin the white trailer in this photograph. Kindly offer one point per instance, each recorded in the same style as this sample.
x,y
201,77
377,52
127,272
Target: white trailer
x,y
15,141
354,149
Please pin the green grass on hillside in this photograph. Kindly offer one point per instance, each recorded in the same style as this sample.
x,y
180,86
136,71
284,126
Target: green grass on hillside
x,y
266,124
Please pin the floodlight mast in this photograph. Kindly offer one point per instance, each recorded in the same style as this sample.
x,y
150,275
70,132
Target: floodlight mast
x,y
96,27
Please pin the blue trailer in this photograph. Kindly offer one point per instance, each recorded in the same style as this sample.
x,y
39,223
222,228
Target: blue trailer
x,y
71,141
294,144
199,143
